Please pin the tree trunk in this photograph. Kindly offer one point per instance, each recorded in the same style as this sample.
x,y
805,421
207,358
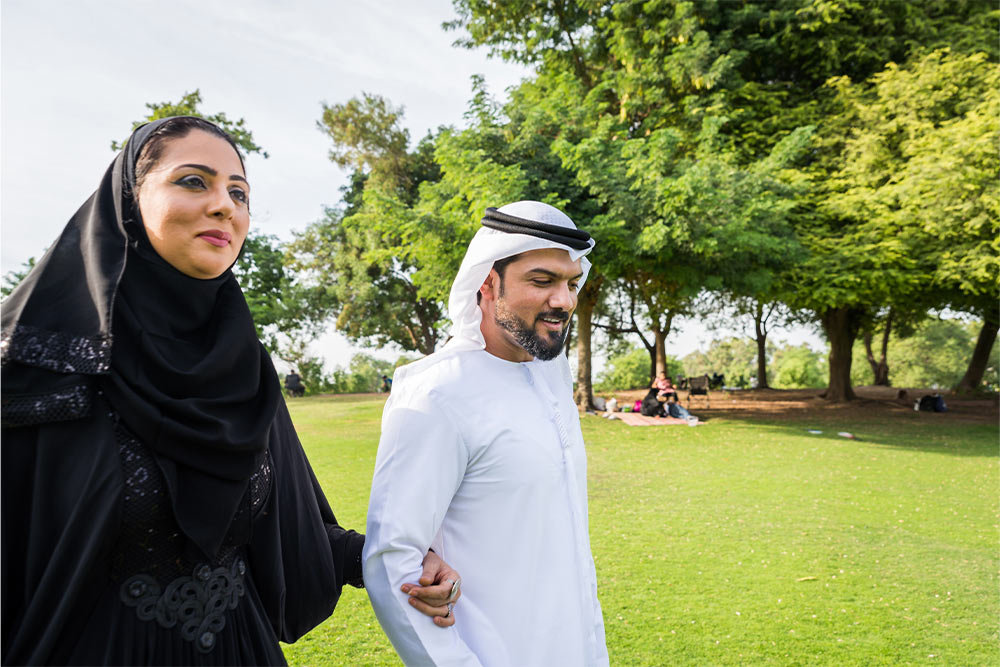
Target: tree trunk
x,y
661,352
980,357
761,348
841,328
584,395
660,345
880,367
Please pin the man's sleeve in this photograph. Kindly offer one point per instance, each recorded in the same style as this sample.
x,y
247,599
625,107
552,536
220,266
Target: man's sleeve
x,y
420,464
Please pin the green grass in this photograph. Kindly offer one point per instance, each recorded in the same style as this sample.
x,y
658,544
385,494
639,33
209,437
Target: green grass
x,y
745,541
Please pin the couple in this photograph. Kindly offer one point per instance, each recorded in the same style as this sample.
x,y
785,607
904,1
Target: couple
x,y
158,507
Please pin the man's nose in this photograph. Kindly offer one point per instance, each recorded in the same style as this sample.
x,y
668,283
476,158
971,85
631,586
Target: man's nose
x,y
563,297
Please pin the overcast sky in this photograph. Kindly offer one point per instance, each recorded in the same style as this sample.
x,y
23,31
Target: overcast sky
x,y
76,74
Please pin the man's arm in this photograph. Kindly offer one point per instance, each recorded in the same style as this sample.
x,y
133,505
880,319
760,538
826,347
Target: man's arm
x,y
420,465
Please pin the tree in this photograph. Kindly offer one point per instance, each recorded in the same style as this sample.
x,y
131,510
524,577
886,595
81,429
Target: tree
x,y
188,106
934,354
630,91
630,370
733,357
915,193
797,367
13,278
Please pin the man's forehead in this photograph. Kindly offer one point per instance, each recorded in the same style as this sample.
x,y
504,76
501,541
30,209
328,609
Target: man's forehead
x,y
548,259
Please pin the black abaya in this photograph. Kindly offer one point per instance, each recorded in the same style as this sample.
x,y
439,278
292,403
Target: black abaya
x,y
157,505
64,488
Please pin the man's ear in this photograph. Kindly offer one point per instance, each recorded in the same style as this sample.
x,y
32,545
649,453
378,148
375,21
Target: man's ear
x,y
487,288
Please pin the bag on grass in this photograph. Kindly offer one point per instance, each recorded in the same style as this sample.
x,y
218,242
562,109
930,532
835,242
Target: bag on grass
x,y
927,403
939,404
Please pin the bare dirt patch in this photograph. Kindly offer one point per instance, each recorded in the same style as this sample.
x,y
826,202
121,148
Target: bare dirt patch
x,y
872,402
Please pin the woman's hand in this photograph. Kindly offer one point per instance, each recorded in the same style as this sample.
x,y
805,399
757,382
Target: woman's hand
x,y
439,587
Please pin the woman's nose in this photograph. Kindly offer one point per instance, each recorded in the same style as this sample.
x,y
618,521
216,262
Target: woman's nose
x,y
221,205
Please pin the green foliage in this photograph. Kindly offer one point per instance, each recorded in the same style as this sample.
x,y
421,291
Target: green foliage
x,y
919,176
630,370
797,367
748,542
12,279
188,106
935,355
277,305
362,376
369,289
367,137
736,358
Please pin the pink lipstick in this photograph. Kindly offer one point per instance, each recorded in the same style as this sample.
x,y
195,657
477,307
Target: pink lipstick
x,y
216,237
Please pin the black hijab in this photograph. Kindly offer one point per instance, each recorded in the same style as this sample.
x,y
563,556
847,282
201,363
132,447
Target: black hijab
x,y
177,357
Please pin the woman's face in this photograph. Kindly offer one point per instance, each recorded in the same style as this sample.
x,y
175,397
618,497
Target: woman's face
x,y
195,205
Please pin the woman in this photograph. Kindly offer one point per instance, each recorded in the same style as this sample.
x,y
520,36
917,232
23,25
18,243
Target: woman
x,y
157,504
664,387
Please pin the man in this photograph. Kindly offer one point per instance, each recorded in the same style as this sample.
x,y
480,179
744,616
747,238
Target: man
x,y
293,383
482,458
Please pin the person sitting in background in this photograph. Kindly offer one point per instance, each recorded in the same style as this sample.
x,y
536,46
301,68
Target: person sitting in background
x,y
652,406
676,410
664,387
293,383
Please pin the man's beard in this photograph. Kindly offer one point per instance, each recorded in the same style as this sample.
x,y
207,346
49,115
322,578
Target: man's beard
x,y
545,346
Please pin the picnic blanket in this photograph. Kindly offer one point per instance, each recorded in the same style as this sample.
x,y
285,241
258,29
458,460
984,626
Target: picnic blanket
x,y
636,419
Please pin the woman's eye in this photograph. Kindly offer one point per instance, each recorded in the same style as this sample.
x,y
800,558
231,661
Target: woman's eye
x,y
191,181
239,195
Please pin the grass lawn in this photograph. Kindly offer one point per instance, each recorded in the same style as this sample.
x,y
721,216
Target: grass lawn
x,y
745,541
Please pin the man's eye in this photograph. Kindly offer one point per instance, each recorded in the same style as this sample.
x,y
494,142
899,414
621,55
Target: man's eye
x,y
239,195
574,286
191,181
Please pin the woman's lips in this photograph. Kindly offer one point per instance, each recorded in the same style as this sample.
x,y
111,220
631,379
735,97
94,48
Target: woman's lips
x,y
216,237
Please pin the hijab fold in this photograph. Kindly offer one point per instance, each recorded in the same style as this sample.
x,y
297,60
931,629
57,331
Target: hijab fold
x,y
177,357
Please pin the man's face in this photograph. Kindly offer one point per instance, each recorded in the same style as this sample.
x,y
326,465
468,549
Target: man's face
x,y
532,303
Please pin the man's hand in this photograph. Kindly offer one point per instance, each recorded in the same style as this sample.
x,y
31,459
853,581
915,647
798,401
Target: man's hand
x,y
438,589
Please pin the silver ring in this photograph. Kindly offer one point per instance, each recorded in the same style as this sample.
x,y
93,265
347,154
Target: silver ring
x,y
456,586
450,607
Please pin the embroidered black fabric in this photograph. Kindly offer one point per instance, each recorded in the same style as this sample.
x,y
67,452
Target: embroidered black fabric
x,y
72,402
196,604
159,577
57,350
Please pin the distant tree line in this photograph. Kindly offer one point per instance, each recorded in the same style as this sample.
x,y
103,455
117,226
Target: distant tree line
x,y
934,355
832,163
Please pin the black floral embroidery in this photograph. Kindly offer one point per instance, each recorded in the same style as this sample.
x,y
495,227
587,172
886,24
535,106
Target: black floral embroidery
x,y
197,603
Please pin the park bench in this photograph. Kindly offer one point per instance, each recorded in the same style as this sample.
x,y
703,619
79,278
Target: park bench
x,y
698,386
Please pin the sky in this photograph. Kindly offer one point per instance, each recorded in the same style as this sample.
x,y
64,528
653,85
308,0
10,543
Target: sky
x,y
75,75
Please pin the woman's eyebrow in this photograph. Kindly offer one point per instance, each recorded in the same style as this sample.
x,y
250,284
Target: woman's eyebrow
x,y
202,167
213,172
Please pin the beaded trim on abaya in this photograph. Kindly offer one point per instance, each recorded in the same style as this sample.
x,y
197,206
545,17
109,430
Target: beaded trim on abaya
x,y
57,350
61,405
162,578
